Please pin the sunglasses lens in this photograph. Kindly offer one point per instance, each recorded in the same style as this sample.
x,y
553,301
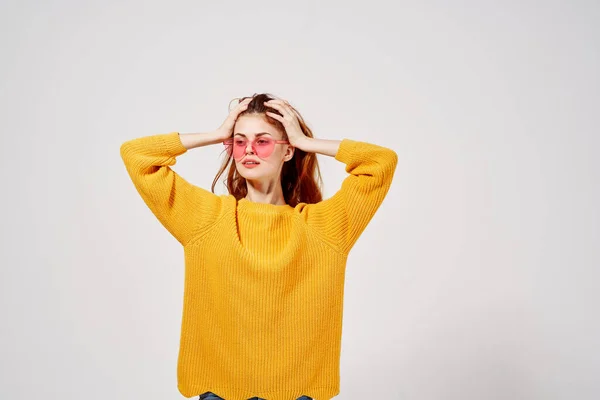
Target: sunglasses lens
x,y
262,147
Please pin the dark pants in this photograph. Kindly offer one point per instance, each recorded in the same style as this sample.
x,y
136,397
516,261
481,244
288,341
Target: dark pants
x,y
212,396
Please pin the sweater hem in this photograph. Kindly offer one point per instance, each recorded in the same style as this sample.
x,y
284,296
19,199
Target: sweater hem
x,y
233,393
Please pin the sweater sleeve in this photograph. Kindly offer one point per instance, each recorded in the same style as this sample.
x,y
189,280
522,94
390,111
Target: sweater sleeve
x,y
184,209
342,218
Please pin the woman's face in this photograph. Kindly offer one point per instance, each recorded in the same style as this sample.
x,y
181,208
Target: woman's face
x,y
251,127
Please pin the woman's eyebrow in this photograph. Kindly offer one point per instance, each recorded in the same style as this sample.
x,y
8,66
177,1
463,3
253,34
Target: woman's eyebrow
x,y
258,134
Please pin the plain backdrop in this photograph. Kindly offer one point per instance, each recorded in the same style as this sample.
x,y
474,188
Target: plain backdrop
x,y
478,278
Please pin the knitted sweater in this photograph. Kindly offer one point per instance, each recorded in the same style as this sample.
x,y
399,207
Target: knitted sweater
x,y
264,284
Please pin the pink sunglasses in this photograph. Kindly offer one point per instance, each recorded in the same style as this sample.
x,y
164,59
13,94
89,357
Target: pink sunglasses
x,y
262,146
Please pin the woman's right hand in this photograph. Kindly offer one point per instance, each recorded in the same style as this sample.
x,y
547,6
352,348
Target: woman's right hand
x,y
226,129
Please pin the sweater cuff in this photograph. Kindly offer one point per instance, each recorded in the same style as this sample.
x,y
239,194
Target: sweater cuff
x,y
346,150
171,144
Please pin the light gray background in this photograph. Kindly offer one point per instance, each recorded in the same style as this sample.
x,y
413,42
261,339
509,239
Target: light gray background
x,y
478,277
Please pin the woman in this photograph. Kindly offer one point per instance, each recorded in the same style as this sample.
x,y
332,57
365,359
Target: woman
x,y
264,264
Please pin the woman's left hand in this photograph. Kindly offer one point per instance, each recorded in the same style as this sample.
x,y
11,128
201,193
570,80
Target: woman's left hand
x,y
289,120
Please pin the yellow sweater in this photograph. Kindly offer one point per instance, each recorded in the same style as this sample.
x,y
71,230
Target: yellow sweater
x,y
264,284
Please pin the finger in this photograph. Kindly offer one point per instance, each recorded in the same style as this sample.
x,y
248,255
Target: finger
x,y
244,102
241,109
242,106
285,104
237,111
276,116
282,108
280,101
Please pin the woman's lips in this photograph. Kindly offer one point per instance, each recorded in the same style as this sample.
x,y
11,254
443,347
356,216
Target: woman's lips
x,y
250,165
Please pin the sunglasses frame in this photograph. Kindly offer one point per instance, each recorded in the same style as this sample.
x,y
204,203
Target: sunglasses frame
x,y
229,142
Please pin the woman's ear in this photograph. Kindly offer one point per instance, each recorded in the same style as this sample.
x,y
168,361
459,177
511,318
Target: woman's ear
x,y
289,153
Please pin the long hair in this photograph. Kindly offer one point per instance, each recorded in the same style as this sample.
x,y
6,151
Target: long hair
x,y
298,176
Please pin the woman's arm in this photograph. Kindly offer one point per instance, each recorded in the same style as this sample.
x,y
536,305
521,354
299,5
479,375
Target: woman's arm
x,y
186,210
321,146
340,219
193,140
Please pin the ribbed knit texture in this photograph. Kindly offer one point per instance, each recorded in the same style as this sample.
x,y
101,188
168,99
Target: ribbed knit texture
x,y
264,284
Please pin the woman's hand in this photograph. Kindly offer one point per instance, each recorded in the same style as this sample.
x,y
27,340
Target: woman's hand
x,y
289,120
226,129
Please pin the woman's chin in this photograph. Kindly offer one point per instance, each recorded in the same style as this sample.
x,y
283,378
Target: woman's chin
x,y
249,174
